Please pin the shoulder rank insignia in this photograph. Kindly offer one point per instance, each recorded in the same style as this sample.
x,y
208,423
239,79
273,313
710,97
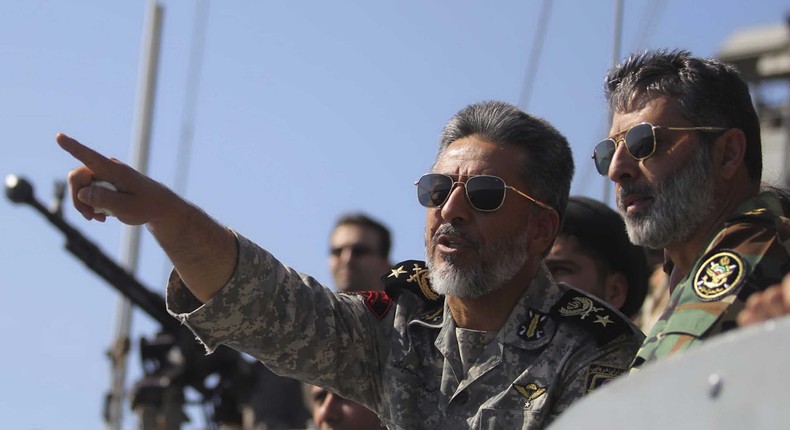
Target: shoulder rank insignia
x,y
598,375
410,275
530,392
580,309
719,275
757,215
377,302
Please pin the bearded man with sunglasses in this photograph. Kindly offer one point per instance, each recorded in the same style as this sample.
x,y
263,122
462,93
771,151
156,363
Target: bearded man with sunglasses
x,y
481,339
685,156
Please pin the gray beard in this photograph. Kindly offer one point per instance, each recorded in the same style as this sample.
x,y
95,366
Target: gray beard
x,y
681,203
497,265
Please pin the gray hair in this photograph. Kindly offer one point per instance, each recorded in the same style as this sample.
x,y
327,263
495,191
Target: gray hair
x,y
547,166
710,93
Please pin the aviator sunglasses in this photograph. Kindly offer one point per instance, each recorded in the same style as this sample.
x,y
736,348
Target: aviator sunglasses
x,y
640,143
485,193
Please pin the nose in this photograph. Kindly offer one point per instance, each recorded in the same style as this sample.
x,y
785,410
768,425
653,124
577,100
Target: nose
x,y
457,207
346,254
330,410
623,165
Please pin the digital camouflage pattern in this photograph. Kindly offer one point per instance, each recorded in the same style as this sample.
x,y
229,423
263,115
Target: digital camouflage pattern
x,y
400,357
750,253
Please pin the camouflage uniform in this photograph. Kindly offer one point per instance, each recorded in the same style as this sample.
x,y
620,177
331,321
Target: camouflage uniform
x,y
748,254
400,357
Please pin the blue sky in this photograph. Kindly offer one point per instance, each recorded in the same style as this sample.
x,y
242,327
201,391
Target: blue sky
x,y
304,110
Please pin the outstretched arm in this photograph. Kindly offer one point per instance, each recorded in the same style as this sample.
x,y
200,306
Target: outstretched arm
x,y
203,251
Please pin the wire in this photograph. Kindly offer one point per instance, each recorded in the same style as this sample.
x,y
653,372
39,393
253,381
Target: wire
x,y
190,97
534,58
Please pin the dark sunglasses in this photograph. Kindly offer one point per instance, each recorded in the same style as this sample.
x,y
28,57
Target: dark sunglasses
x,y
640,142
485,193
356,250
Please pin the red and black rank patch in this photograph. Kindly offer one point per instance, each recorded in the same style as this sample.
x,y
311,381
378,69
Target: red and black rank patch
x,y
377,302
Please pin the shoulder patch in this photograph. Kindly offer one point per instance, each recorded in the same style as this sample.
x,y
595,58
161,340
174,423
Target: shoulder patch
x,y
720,274
411,275
598,375
378,303
597,317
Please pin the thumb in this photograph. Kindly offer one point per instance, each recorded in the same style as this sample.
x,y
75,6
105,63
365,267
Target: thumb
x,y
99,196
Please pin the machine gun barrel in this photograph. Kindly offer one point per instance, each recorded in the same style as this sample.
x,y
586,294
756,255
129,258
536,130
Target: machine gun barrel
x,y
163,372
19,190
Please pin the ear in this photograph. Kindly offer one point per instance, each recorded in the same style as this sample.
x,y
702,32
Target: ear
x,y
616,289
730,152
545,228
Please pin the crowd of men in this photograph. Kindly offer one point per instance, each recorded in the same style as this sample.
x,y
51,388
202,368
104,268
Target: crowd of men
x,y
481,335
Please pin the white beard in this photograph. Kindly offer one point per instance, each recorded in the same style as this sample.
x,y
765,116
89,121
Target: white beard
x,y
496,266
681,203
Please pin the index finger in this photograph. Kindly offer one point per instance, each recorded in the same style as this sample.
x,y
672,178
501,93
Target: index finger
x,y
99,164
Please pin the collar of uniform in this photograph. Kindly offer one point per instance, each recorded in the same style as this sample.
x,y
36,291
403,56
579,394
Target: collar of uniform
x,y
530,324
762,208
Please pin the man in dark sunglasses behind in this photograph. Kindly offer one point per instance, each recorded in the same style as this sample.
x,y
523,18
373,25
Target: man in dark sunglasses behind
x,y
483,338
359,248
686,160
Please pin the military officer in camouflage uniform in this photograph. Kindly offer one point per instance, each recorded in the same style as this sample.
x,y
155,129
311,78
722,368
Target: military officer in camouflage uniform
x,y
685,156
481,338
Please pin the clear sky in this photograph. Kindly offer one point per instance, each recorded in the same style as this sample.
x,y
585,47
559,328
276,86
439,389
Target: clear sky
x,y
304,110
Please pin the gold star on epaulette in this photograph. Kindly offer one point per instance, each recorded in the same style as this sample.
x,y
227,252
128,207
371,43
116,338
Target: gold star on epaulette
x,y
396,272
603,320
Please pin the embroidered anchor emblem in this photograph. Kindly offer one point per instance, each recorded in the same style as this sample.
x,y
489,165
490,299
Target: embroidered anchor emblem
x,y
579,306
420,276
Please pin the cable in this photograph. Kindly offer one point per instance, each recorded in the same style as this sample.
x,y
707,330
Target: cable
x,y
537,47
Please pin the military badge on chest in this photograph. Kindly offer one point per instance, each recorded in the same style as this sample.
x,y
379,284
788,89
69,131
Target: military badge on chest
x,y
538,329
529,392
719,275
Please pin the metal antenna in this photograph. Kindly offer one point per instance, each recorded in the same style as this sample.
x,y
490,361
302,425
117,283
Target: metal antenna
x,y
131,234
618,41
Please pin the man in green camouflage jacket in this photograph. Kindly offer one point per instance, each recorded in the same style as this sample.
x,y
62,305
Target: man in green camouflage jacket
x,y
686,160
480,338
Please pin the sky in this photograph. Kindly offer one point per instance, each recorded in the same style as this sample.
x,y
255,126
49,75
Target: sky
x,y
297,111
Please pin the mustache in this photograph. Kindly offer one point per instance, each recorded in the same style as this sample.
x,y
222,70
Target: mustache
x,y
453,231
633,188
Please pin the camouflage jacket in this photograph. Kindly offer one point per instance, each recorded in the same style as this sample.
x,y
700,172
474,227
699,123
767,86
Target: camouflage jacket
x,y
749,253
400,357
